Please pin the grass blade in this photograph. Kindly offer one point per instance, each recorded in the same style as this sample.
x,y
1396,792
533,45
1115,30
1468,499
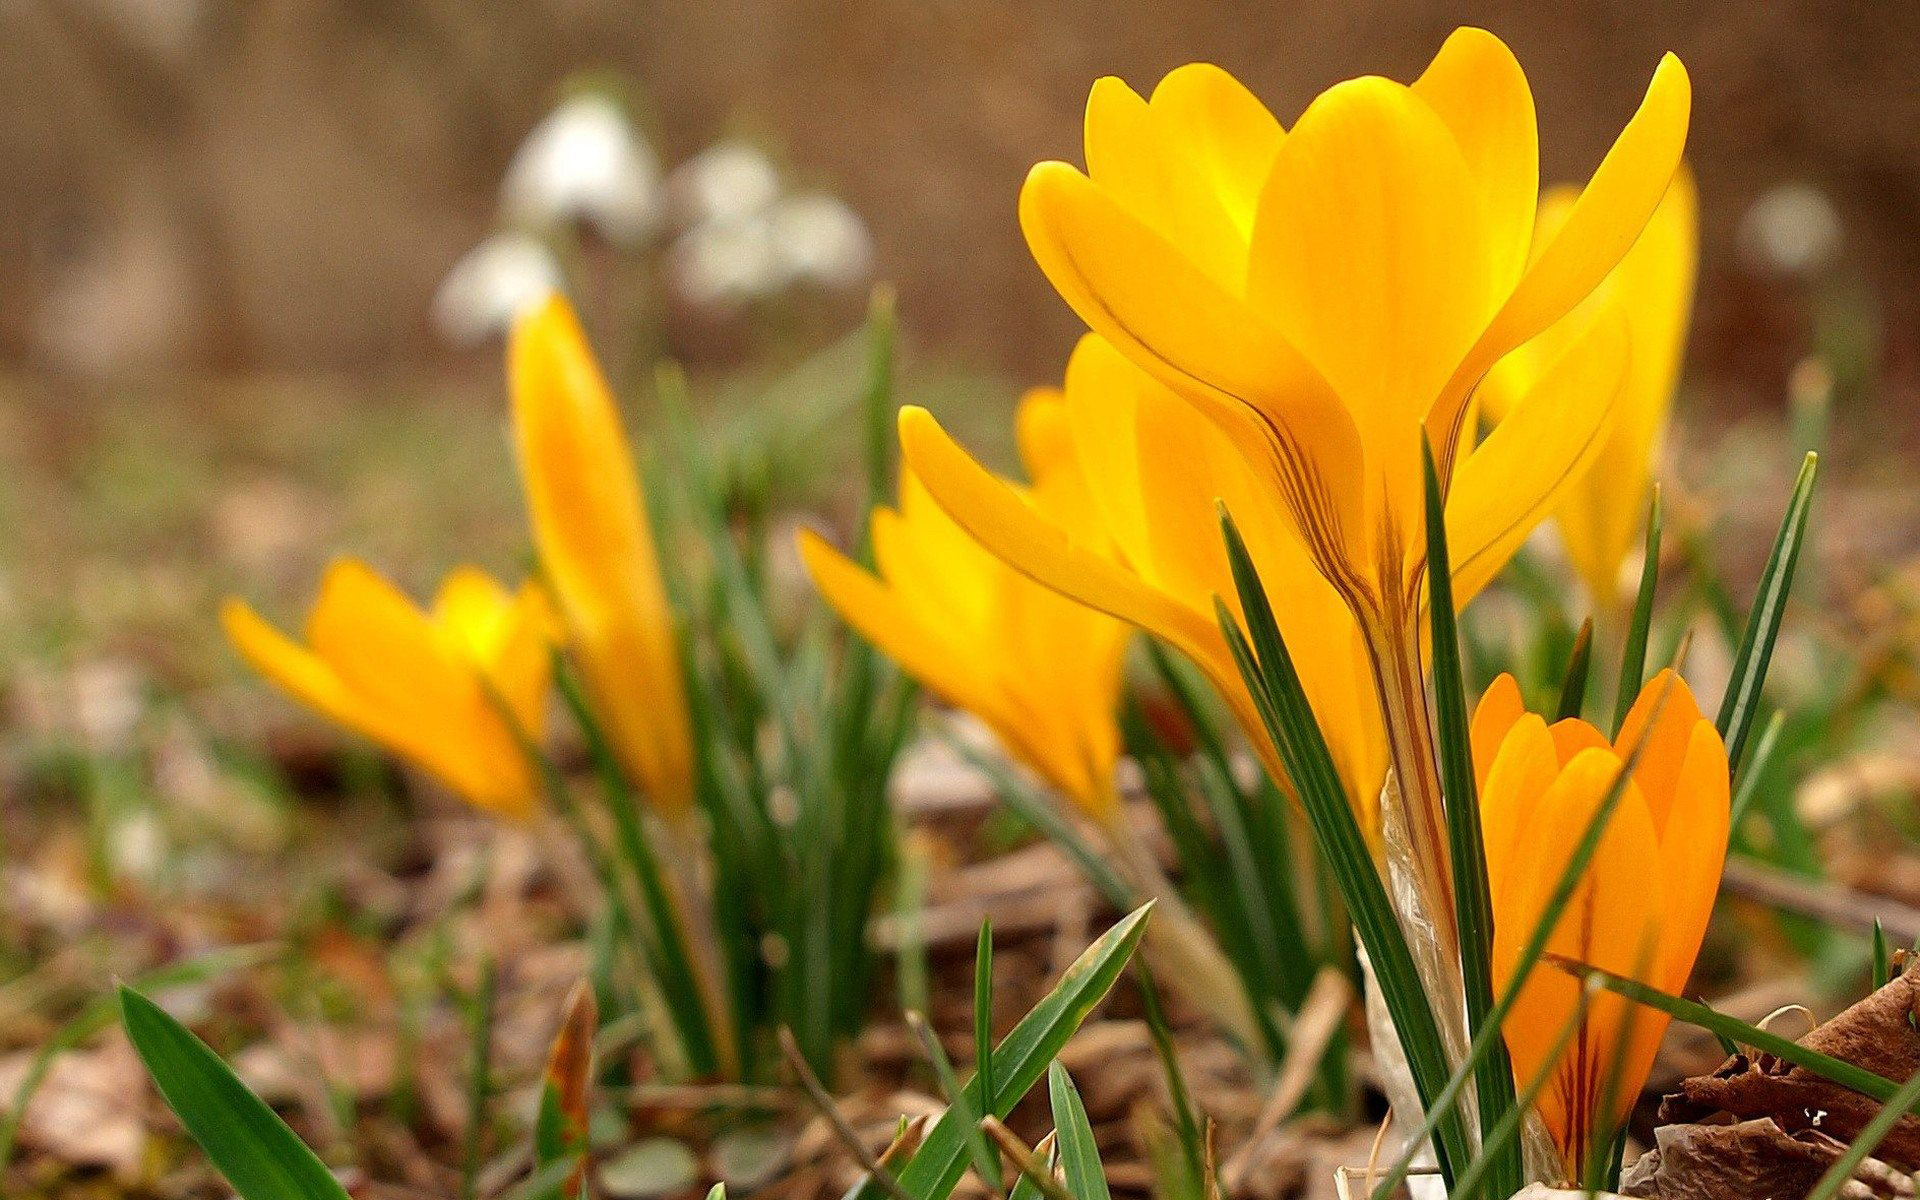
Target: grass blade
x,y
1079,1153
985,1160
983,1011
1573,688
1633,655
1275,686
1742,701
250,1145
1473,901
1186,1126
560,1127
1023,1055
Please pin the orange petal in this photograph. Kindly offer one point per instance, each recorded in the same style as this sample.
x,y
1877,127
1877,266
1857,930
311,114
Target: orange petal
x,y
1668,704
1500,706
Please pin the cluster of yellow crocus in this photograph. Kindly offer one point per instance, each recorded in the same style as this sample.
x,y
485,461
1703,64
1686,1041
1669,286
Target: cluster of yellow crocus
x,y
443,689
446,690
1640,908
1042,671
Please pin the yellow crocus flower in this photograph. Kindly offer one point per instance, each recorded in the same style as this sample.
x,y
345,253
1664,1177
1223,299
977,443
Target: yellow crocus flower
x,y
1328,292
1042,671
596,549
1641,907
1153,555
1600,515
430,686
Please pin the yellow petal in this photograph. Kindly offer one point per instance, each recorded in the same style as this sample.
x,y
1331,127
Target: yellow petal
x,y
1156,178
1513,479
1370,258
1477,87
298,671
1613,922
383,647
1600,518
1659,728
590,526
1501,705
1226,129
1693,850
1610,213
1174,321
1517,774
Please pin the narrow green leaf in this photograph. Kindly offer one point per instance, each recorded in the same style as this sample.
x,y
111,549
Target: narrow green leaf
x,y
1742,701
1079,1153
985,1160
1185,1125
878,408
1573,688
1882,973
1025,1188
983,1010
479,1081
1900,1104
1275,686
251,1146
1503,1140
1473,902
1633,655
1025,1052
1843,1073
1755,768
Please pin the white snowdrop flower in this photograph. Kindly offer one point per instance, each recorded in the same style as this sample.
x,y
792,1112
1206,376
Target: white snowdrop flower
x,y
728,181
490,285
725,263
1792,229
584,162
821,240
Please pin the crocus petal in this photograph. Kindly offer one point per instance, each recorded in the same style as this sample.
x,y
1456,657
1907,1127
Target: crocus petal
x,y
590,526
1226,129
1659,728
899,631
1521,769
1571,735
1501,705
1612,210
1693,850
1601,517
1612,922
1156,179
1187,330
1477,87
383,647
1370,258
1511,481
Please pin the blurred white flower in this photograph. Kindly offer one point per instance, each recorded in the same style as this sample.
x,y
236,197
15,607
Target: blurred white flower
x,y
1792,229
728,181
489,286
725,263
584,162
820,240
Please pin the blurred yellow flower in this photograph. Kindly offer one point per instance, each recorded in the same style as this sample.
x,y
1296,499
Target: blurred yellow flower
x,y
590,527
1600,515
1641,907
1325,292
1148,548
431,687
1042,671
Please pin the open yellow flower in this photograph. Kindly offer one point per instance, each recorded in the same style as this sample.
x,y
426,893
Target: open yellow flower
x,y
1641,907
1042,671
431,687
590,527
1600,515
1148,548
1328,292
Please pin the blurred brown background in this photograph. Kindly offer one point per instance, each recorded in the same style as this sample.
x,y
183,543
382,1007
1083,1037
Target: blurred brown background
x,y
279,185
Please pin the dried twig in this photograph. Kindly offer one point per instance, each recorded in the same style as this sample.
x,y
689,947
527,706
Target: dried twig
x,y
790,1050
1326,1005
